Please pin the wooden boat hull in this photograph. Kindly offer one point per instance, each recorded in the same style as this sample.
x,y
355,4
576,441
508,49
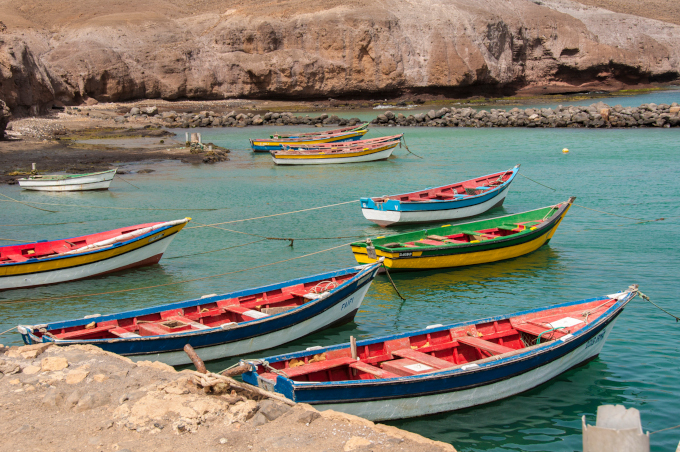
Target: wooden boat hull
x,y
372,155
461,387
144,250
363,126
395,212
340,306
386,218
273,145
472,254
95,181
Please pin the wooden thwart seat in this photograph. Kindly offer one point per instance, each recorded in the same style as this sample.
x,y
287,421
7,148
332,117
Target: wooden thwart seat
x,y
487,346
83,333
375,371
423,358
537,330
317,367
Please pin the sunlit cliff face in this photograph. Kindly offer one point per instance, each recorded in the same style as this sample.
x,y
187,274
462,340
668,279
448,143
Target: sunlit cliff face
x,y
294,49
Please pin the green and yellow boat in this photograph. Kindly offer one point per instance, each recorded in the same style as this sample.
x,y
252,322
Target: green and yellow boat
x,y
472,243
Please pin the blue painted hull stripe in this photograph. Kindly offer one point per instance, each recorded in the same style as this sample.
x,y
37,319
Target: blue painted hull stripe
x,y
433,205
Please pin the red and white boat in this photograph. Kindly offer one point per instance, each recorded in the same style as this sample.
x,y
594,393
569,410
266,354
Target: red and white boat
x,y
51,262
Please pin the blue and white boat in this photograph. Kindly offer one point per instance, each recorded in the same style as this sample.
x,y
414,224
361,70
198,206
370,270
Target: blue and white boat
x,y
449,202
444,368
219,326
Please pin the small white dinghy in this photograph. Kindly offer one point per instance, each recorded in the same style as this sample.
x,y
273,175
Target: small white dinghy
x,y
69,182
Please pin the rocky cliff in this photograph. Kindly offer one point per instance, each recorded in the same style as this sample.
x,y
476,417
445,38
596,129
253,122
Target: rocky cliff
x,y
66,51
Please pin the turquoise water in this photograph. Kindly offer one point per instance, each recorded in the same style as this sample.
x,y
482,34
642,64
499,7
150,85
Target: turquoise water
x,y
630,172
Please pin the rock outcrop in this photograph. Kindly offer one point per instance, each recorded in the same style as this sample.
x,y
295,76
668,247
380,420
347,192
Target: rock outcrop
x,y
85,51
4,118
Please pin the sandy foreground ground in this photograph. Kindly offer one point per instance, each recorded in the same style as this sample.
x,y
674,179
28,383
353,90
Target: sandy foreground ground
x,y
80,398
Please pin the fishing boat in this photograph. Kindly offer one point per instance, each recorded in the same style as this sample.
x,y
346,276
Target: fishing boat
x,y
69,182
271,144
353,152
219,326
279,136
449,202
444,367
478,242
50,262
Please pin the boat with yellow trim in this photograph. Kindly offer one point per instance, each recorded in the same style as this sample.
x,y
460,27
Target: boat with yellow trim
x,y
271,144
358,151
464,244
279,136
50,262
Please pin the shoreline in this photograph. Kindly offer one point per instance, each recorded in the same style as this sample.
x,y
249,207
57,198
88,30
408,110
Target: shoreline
x,y
99,137
101,401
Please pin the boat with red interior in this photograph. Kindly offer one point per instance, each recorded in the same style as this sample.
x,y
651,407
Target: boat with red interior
x,y
351,152
449,202
50,262
444,367
219,326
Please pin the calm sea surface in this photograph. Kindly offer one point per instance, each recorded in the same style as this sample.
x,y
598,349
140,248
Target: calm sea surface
x,y
633,173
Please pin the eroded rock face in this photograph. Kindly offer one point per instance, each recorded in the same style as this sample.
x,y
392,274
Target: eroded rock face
x,y
4,118
331,48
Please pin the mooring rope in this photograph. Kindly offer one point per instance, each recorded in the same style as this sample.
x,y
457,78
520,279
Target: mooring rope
x,y
393,285
406,146
14,327
272,215
175,282
127,182
14,240
646,298
285,239
642,220
214,251
664,429
96,207
55,224
15,200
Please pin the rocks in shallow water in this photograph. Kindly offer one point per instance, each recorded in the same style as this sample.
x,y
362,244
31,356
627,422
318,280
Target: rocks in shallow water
x,y
145,171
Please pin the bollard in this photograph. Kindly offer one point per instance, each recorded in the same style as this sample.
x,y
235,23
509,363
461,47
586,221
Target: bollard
x,y
198,362
210,148
186,137
616,430
199,139
33,166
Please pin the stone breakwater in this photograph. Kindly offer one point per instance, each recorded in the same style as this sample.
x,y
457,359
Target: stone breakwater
x,y
597,115
592,116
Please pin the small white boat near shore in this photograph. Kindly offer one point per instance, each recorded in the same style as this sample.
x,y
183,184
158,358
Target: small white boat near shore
x,y
69,182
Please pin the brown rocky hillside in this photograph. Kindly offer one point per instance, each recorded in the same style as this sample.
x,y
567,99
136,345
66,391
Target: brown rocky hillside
x,y
67,51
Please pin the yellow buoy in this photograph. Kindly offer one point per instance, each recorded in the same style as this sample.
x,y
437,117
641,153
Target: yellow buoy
x,y
565,151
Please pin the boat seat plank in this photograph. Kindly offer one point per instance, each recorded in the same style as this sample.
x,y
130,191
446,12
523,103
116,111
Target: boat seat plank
x,y
438,237
16,257
236,309
487,346
188,321
317,366
536,330
422,358
375,371
432,242
78,334
122,332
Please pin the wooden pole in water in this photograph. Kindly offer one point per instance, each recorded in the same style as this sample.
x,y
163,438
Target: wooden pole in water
x,y
353,347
